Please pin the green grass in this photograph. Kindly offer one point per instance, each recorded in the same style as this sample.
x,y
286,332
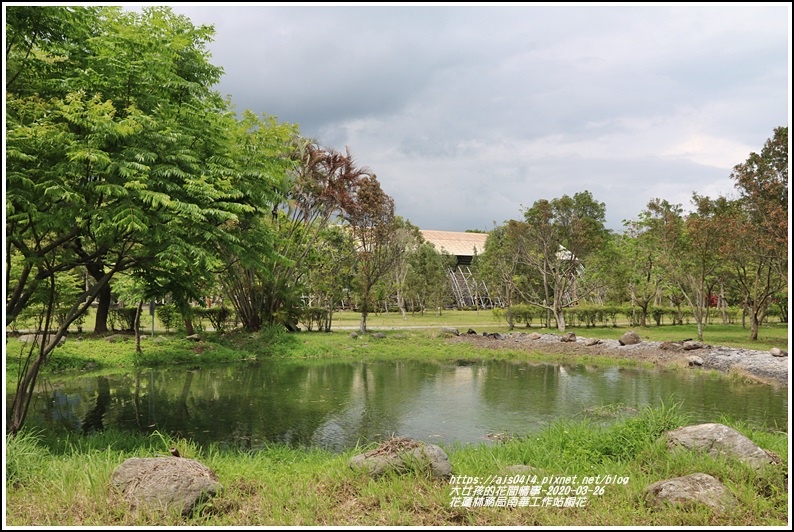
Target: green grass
x,y
63,480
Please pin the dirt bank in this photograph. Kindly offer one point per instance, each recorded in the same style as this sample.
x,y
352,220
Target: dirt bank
x,y
760,366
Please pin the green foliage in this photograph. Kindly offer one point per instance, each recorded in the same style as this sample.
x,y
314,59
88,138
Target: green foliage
x,y
168,315
520,314
316,318
123,318
221,318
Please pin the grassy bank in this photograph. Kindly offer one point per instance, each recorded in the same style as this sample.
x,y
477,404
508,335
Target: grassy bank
x,y
416,337
62,480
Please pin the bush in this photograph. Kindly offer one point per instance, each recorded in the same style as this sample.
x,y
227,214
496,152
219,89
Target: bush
x,y
220,317
123,317
168,315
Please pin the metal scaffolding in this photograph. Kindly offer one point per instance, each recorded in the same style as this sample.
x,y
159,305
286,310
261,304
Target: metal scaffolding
x,y
467,291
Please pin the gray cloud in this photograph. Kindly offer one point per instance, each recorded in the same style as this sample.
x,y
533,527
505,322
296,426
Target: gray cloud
x,y
468,112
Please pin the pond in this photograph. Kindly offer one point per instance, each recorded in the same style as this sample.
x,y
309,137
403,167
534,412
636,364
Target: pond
x,y
335,405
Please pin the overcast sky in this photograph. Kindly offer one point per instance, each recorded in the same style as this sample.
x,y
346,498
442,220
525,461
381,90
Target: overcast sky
x,y
470,113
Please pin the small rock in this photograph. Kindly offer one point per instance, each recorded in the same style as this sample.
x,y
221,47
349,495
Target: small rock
x,y
592,341
568,337
354,335
695,361
777,352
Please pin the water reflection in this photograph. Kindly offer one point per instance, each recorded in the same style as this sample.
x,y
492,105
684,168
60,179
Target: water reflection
x,y
336,405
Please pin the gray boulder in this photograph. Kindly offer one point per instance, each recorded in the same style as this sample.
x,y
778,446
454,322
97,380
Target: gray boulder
x,y
165,483
697,488
719,440
630,338
451,331
403,455
568,337
691,345
30,338
695,361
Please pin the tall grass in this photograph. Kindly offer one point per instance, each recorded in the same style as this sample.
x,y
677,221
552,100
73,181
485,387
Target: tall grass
x,y
59,480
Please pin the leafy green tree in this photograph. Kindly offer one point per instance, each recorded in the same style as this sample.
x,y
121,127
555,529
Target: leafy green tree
x,y
329,273
407,239
642,252
499,265
758,249
116,157
561,236
427,280
312,192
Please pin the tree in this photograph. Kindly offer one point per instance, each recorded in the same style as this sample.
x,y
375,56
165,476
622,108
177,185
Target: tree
x,y
372,222
312,193
758,248
115,157
408,238
646,248
427,281
329,275
561,235
499,265
704,236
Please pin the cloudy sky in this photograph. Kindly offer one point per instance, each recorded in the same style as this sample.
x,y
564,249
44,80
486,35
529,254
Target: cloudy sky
x,y
469,113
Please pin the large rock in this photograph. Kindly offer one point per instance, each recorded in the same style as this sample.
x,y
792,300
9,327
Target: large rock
x,y
403,455
165,483
719,440
630,338
568,337
30,338
697,488
451,331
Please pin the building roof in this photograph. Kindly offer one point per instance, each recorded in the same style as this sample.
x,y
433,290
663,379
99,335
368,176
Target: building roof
x,y
458,244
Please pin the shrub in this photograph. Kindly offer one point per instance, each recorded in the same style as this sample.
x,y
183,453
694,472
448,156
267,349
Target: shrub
x,y
168,315
123,317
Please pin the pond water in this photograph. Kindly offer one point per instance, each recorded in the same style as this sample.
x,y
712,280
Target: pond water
x,y
335,405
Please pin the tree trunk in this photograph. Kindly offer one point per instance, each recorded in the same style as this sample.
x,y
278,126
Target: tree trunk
x,y
104,299
138,327
363,326
754,328
559,315
26,381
